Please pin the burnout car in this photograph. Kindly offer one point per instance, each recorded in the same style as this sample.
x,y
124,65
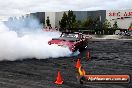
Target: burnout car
x,y
73,40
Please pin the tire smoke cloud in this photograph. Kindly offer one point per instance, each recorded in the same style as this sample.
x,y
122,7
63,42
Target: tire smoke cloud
x,y
20,40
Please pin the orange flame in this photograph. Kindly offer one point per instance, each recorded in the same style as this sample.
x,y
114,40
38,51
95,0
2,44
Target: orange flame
x,y
81,71
130,28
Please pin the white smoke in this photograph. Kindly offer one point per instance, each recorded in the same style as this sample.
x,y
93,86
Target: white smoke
x,y
32,44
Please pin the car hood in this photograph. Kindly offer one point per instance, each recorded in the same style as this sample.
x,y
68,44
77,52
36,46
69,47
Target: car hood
x,y
63,41
66,39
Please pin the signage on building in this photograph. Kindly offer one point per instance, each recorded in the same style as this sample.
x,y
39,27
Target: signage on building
x,y
120,14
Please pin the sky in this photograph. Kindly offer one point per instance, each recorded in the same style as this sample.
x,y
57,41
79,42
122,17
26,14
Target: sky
x,y
20,7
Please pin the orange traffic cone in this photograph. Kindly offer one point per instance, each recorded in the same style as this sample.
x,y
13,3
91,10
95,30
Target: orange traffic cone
x,y
78,64
59,79
88,55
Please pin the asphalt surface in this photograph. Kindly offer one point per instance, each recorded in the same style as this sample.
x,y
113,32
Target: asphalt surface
x,y
107,57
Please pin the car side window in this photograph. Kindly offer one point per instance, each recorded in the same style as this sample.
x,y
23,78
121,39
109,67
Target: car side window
x,y
80,36
76,36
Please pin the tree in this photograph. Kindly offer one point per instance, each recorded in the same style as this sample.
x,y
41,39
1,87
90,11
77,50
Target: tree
x,y
88,22
77,24
106,27
48,21
106,24
68,20
71,19
63,21
115,26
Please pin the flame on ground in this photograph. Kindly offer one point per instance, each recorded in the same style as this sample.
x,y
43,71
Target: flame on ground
x,y
81,71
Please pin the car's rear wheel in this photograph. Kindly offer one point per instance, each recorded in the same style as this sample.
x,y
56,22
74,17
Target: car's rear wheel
x,y
82,48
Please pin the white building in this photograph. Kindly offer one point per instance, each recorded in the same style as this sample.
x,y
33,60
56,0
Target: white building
x,y
123,17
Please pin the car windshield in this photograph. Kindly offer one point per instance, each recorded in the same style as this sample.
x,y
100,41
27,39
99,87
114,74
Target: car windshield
x,y
70,35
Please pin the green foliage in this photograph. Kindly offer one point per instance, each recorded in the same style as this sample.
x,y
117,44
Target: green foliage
x,y
88,22
107,27
63,22
106,24
115,26
77,24
71,19
48,21
68,20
